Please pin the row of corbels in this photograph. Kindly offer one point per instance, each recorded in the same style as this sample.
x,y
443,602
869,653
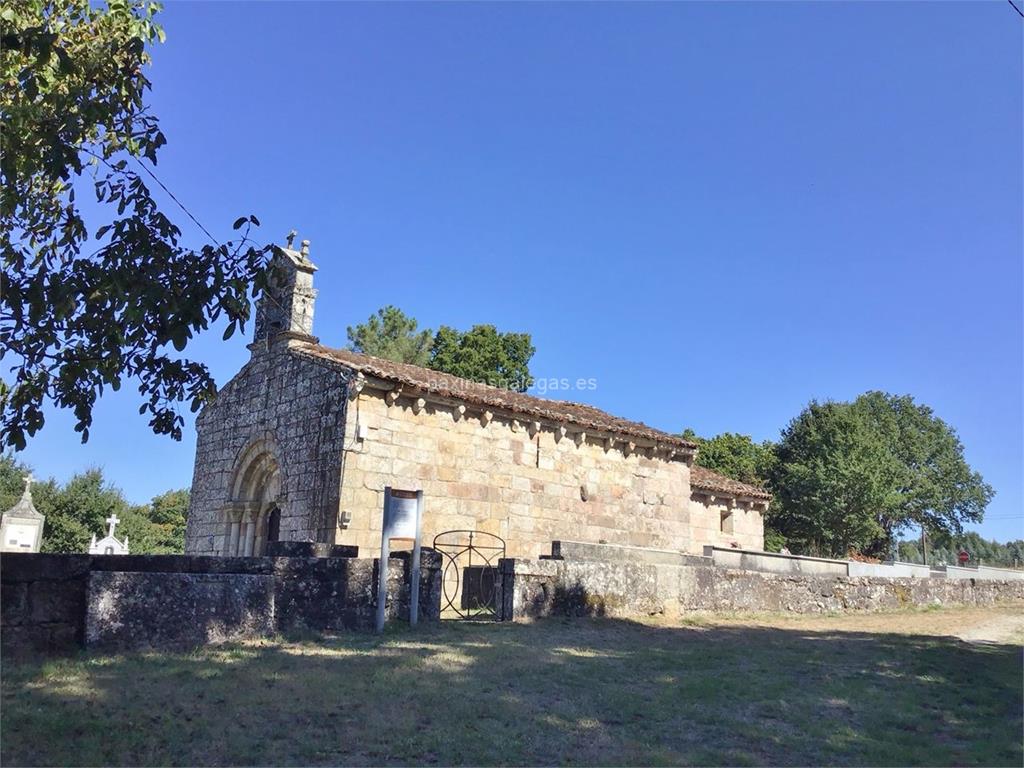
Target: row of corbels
x,y
735,501
459,412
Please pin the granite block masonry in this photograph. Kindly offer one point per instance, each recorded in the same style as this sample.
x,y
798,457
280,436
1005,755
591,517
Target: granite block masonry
x,y
56,604
635,588
300,444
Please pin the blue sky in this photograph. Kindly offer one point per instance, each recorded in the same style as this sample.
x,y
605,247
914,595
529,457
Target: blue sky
x,y
717,211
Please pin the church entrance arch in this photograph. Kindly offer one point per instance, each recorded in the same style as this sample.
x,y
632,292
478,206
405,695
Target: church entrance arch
x,y
252,517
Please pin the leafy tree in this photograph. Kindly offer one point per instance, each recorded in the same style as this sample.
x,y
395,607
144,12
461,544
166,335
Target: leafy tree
x,y
773,540
945,547
910,552
79,510
480,354
74,318
167,514
854,475
829,481
484,354
931,482
12,484
736,456
739,457
391,334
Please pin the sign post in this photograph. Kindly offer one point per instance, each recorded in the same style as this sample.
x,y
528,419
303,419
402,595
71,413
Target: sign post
x,y
403,513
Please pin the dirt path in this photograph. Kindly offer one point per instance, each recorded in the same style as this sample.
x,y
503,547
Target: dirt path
x,y
1007,628
974,624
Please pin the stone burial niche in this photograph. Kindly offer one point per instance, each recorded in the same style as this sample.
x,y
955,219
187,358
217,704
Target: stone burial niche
x,y
252,517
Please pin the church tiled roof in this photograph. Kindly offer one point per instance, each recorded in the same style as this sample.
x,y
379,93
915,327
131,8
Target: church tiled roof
x,y
456,388
706,480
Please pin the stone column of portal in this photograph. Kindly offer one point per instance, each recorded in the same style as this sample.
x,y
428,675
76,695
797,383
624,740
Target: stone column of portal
x,y
260,542
250,534
233,540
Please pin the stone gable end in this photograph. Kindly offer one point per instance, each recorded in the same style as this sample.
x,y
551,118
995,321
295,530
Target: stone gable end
x,y
292,412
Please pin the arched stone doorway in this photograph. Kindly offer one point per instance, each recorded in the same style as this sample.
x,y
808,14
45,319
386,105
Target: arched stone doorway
x,y
253,515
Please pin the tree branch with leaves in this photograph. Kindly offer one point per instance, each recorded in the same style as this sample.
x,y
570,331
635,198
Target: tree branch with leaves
x,y
75,320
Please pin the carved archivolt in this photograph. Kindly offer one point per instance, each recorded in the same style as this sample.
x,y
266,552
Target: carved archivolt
x,y
255,494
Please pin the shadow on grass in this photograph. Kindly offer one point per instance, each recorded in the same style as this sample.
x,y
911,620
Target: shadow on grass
x,y
568,691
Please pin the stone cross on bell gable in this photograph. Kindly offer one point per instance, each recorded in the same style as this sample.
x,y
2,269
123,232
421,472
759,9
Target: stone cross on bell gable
x,y
112,521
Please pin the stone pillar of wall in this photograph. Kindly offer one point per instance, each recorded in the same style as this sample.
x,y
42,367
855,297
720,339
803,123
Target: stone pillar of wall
x,y
42,602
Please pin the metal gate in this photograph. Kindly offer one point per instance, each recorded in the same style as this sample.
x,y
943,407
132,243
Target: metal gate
x,y
469,573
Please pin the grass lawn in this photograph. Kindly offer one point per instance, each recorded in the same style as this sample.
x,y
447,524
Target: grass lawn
x,y
885,689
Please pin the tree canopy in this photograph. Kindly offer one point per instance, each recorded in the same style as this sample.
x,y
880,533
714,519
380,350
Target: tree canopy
x,y
483,353
393,335
855,475
734,455
77,318
78,509
945,548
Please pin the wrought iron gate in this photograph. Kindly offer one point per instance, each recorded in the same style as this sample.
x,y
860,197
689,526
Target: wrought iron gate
x,y
469,573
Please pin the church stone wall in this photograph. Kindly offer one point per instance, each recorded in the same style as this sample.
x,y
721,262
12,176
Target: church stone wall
x,y
297,409
498,477
742,525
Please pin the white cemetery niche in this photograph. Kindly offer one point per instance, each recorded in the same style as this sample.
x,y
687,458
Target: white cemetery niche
x,y
109,545
21,529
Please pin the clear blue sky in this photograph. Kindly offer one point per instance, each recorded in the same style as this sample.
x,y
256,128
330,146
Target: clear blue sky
x,y
718,211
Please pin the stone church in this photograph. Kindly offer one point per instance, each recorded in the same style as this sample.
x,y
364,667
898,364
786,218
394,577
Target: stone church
x,y
301,443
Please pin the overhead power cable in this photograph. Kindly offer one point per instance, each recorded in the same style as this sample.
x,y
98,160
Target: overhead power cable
x,y
176,200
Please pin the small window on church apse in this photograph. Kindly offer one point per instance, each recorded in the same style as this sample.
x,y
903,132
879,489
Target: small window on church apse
x,y
725,521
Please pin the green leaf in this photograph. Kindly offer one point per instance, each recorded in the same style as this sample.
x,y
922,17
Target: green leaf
x,y
88,317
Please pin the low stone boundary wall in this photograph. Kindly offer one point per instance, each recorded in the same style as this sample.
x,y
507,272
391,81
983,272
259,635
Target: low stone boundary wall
x,y
981,572
890,569
42,602
176,610
58,603
774,562
616,553
533,588
987,572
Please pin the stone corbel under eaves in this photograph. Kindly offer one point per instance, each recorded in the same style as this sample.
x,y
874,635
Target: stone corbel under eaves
x,y
731,501
629,444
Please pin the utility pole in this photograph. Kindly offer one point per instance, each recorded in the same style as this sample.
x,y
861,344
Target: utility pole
x,y
924,545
